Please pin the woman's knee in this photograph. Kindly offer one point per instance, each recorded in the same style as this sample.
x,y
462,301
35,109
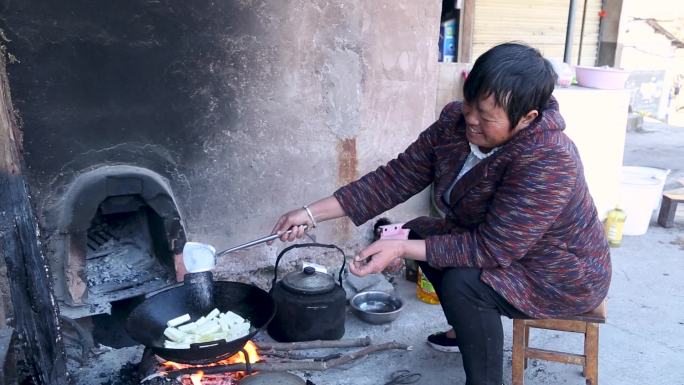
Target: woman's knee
x,y
459,282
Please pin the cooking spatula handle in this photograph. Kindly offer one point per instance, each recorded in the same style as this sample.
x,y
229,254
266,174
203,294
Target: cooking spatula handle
x,y
254,242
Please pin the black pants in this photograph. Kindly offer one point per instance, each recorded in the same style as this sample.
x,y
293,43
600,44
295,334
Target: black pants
x,y
474,310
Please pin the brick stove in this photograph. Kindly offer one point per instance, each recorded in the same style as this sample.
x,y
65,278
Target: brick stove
x,y
119,235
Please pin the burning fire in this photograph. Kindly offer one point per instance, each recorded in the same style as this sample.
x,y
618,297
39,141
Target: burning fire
x,y
238,358
197,378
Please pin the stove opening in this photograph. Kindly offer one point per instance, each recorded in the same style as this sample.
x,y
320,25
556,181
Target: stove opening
x,y
120,236
127,251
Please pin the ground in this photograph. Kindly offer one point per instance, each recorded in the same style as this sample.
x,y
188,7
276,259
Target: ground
x,y
641,343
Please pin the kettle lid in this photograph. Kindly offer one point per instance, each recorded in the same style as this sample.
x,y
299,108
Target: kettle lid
x,y
309,281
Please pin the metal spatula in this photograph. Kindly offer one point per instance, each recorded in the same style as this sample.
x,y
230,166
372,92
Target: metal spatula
x,y
255,242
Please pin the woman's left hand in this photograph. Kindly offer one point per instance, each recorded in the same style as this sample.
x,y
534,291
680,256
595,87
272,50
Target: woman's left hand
x,y
376,257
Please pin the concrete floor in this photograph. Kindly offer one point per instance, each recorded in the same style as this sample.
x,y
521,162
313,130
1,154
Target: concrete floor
x,y
642,342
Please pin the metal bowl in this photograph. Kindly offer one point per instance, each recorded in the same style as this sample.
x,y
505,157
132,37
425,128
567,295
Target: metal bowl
x,y
376,307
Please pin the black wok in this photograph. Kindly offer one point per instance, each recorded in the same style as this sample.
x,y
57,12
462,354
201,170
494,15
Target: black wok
x,y
147,321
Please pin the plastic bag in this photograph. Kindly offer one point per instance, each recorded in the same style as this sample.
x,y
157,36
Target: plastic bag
x,y
565,72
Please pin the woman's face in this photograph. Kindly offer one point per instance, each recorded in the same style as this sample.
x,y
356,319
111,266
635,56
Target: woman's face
x,y
488,126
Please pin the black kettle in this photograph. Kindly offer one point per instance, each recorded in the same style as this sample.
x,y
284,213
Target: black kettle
x,y
310,305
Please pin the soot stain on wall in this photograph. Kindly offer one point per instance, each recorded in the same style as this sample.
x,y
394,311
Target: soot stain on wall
x,y
239,104
148,83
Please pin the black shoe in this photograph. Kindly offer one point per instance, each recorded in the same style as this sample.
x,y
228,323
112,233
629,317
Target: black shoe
x,y
440,341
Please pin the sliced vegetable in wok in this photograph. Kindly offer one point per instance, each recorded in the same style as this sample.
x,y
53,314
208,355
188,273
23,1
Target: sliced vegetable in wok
x,y
214,326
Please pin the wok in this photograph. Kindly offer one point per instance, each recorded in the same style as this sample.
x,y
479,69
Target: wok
x,y
147,321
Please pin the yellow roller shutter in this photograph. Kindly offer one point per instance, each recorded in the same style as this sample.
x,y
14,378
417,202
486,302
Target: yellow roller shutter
x,y
539,23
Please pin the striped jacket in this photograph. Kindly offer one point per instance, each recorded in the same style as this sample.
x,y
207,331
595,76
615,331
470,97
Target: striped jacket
x,y
524,215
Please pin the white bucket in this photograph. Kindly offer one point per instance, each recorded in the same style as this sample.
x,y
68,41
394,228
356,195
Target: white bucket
x,y
641,189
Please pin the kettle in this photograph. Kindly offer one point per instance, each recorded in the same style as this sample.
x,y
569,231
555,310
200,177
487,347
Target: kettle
x,y
310,305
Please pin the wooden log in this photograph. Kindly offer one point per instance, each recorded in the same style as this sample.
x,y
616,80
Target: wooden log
x,y
668,207
318,344
284,366
33,303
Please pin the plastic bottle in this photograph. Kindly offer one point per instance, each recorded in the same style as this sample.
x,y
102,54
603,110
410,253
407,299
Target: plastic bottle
x,y
615,221
425,291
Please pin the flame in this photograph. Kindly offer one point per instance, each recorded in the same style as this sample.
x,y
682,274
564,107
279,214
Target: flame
x,y
174,365
251,350
197,378
238,358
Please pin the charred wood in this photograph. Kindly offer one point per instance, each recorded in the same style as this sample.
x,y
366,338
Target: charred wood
x,y
30,283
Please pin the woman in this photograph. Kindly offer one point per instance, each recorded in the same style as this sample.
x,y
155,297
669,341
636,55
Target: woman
x,y
521,236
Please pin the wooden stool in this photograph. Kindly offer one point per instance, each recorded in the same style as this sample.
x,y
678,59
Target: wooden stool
x,y
586,324
669,206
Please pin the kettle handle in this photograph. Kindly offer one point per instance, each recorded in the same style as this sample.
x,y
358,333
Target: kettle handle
x,y
285,250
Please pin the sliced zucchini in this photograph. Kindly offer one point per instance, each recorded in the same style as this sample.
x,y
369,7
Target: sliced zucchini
x,y
178,320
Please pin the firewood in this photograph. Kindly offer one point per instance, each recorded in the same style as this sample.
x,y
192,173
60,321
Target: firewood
x,y
284,366
290,356
28,271
345,343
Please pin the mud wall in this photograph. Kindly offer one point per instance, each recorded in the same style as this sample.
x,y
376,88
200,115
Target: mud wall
x,y
249,108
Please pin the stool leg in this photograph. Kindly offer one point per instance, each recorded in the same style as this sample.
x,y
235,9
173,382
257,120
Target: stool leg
x,y
591,353
666,215
519,347
527,341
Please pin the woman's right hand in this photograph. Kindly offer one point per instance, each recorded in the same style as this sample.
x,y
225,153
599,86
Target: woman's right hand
x,y
319,211
294,220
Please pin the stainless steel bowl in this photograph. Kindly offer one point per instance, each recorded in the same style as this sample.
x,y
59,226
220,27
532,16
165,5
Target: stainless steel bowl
x,y
376,307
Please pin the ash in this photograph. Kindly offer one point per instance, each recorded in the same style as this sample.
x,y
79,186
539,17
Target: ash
x,y
128,374
120,255
106,366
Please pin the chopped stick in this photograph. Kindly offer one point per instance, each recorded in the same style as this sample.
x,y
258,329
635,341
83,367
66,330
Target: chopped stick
x,y
346,358
285,366
319,344
293,356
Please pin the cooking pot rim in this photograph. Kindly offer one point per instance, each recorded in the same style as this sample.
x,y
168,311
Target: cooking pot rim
x,y
145,324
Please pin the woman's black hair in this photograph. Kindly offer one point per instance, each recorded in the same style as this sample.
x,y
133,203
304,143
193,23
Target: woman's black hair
x,y
517,75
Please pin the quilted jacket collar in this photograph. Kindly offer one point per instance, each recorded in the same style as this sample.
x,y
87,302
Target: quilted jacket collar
x,y
453,153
